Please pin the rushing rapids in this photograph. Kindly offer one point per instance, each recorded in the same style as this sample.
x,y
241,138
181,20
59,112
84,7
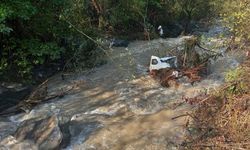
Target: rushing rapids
x,y
117,105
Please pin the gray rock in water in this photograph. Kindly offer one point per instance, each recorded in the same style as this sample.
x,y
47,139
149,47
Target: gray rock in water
x,y
6,128
35,134
11,143
118,43
80,131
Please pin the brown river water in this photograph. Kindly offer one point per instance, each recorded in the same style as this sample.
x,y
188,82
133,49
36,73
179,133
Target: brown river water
x,y
119,106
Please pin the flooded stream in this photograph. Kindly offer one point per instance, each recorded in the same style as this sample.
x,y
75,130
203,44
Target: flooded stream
x,y
119,106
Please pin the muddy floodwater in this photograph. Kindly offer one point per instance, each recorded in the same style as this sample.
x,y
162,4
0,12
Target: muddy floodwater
x,y
119,106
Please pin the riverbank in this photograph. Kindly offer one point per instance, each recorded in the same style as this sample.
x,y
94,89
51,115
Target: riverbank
x,y
221,120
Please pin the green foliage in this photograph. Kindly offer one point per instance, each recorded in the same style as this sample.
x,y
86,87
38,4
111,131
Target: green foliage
x,y
31,32
39,50
86,54
29,35
126,17
236,15
235,76
4,13
15,9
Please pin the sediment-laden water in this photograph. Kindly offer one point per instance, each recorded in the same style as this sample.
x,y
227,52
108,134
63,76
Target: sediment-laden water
x,y
118,105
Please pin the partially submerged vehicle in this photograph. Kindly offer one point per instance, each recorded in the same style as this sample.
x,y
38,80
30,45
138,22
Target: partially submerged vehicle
x,y
165,69
157,63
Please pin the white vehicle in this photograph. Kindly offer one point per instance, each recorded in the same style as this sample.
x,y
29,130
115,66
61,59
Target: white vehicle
x,y
157,63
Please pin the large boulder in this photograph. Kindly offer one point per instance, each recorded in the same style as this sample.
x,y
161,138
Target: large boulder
x,y
35,134
11,143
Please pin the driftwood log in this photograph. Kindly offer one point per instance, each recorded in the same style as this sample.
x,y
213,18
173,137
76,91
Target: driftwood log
x,y
37,96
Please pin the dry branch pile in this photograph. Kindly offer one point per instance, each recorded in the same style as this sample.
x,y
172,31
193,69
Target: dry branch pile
x,y
193,73
166,75
222,120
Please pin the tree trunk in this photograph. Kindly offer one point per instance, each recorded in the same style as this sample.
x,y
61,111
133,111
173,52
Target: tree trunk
x,y
101,22
187,23
100,12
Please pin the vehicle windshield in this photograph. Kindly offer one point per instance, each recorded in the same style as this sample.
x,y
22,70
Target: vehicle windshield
x,y
170,61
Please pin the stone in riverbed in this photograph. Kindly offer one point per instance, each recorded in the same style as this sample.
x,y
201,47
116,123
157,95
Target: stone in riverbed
x,y
11,143
35,134
6,128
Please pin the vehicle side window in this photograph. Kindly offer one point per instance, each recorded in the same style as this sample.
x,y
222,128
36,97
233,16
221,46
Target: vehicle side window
x,y
169,61
154,62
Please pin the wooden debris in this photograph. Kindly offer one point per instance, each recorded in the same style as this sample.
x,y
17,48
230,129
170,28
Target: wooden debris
x,y
38,96
193,73
167,77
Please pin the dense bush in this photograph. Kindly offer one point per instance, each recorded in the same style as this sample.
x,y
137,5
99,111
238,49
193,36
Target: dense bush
x,y
235,16
29,35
